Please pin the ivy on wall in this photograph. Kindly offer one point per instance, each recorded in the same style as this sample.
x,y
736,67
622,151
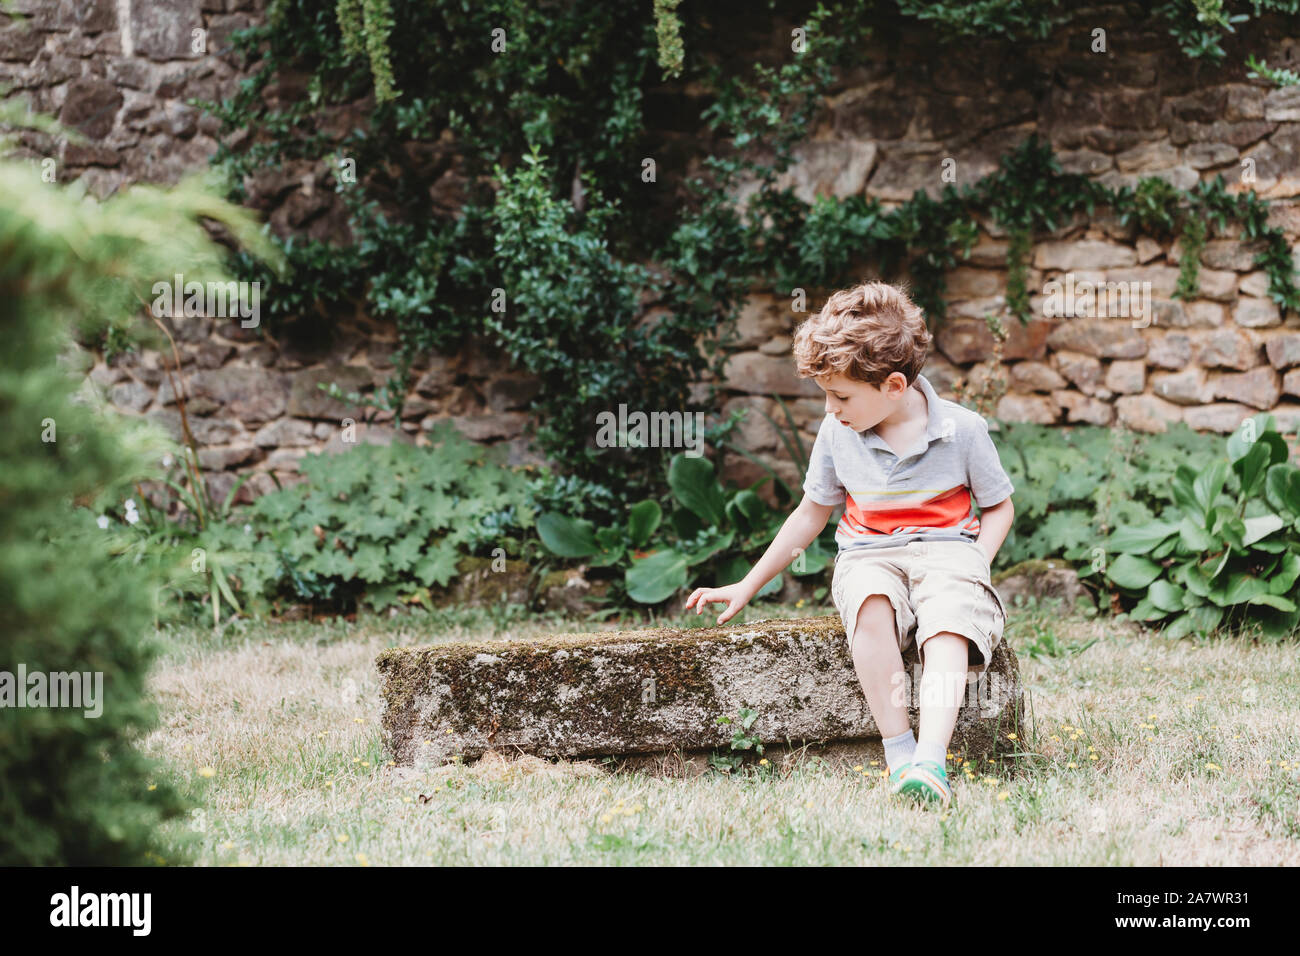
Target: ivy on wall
x,y
563,189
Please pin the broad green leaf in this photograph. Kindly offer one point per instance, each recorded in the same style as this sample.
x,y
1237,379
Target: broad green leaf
x,y
1282,488
405,551
382,597
1206,618
1144,610
1142,539
566,537
1261,527
1273,600
1200,620
371,563
610,538
696,489
1135,573
1194,537
731,571
1273,545
1252,467
1184,492
1209,483
657,577
642,520
335,562
1166,596
1165,549
1285,577
1261,426
685,523
438,566
1278,623
1194,580
1242,588
753,508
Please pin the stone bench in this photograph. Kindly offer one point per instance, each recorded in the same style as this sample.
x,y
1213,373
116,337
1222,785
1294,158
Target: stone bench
x,y
640,695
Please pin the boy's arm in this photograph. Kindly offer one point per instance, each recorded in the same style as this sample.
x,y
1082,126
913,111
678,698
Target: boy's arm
x,y
995,523
989,482
804,524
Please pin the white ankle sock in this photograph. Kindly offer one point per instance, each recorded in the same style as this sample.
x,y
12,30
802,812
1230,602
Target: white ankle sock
x,y
898,750
929,750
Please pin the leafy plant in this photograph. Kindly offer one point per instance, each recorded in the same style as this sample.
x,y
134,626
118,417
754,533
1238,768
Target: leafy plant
x,y
1260,70
1074,486
1228,551
741,741
77,791
542,255
385,524
200,550
708,524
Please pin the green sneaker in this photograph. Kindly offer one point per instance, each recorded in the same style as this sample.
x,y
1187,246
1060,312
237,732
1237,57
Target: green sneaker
x,y
896,778
927,781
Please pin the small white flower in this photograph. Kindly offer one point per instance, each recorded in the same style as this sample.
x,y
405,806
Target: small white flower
x,y
167,461
132,517
102,521
130,504
248,529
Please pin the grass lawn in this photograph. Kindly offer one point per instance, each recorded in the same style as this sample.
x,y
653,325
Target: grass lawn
x,y
1142,750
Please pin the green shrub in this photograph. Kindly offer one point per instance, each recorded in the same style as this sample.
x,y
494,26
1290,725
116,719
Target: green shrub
x,y
203,552
581,83
721,531
1227,552
75,789
1074,486
386,524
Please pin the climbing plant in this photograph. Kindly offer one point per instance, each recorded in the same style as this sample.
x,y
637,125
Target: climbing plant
x,y
553,165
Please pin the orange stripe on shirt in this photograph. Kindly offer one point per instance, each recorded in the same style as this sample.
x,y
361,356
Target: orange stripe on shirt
x,y
949,509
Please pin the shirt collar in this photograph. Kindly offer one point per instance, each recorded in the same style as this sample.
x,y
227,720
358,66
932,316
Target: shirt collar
x,y
934,425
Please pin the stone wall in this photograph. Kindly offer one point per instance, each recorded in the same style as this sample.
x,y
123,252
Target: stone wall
x,y
1141,110
120,70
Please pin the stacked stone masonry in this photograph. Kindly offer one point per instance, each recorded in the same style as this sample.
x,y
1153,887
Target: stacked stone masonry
x,y
120,71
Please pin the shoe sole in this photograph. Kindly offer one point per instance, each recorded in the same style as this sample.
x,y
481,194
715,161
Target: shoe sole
x,y
916,784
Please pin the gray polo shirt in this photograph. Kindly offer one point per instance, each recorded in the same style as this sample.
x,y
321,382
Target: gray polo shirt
x,y
927,494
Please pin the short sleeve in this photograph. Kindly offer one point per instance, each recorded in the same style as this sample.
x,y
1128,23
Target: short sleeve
x,y
985,476
821,484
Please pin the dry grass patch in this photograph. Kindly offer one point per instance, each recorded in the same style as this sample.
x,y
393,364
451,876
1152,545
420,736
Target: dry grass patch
x,y
1142,751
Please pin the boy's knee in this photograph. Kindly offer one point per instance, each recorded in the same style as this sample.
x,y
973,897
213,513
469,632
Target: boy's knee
x,y
876,617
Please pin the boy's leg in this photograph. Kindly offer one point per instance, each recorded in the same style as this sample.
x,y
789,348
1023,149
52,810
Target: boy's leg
x,y
943,684
879,665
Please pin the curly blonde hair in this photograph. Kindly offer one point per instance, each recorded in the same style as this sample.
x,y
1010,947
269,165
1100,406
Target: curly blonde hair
x,y
864,333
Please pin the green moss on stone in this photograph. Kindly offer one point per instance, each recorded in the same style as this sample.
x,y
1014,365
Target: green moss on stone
x,y
1031,569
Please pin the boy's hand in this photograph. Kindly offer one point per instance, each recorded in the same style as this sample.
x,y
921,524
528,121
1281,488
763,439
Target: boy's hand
x,y
735,596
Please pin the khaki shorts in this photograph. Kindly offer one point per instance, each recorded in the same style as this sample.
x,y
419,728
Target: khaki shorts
x,y
934,586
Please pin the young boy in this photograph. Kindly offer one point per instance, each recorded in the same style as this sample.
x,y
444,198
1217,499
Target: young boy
x,y
909,468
